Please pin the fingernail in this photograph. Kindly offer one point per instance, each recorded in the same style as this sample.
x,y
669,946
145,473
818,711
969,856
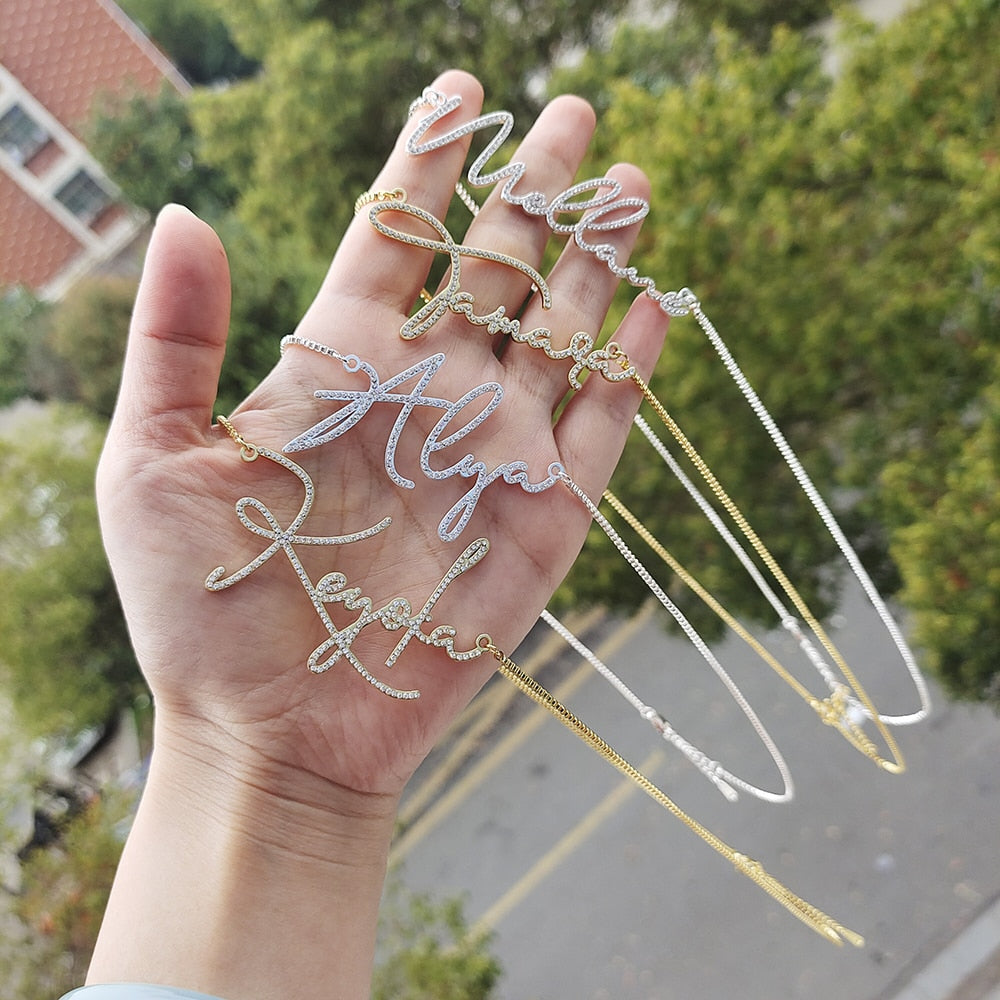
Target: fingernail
x,y
172,208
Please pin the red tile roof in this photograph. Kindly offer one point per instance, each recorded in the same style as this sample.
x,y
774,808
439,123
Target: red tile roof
x,y
66,53
35,247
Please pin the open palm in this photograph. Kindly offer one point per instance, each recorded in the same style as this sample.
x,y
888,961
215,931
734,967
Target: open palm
x,y
234,662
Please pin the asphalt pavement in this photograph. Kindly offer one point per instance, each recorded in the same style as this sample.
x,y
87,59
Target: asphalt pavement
x,y
593,892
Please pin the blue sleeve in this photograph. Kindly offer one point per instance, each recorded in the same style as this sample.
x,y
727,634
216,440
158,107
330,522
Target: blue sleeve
x,y
134,991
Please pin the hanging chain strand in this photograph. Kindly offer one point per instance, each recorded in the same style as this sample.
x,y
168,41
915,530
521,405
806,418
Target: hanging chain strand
x,y
832,710
895,766
815,918
248,452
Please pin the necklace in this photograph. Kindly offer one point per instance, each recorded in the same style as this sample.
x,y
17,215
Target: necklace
x,y
806,912
331,588
606,211
847,702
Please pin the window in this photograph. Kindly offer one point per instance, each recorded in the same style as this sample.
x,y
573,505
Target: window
x,y
20,135
84,197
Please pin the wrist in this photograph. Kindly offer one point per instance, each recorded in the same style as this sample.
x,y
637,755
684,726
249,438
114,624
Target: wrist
x,y
238,866
255,800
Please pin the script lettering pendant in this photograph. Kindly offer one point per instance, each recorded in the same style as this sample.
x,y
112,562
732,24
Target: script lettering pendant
x,y
453,298
333,588
358,402
606,211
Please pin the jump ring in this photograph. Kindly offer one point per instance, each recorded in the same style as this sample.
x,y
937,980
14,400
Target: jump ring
x,y
371,196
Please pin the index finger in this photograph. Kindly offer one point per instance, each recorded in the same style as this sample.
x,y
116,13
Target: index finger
x,y
385,272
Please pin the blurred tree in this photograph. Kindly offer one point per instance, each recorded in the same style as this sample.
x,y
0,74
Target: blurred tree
x,y
150,150
193,35
274,280
670,48
309,132
65,889
948,549
754,20
70,350
651,57
21,772
428,951
22,322
842,236
66,661
85,342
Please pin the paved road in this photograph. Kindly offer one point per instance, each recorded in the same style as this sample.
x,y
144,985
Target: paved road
x,y
594,892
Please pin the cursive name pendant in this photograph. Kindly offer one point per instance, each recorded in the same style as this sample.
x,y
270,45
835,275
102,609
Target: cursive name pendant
x,y
606,211
358,402
396,615
581,350
848,704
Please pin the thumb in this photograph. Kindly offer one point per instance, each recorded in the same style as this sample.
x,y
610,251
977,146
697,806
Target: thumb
x,y
178,333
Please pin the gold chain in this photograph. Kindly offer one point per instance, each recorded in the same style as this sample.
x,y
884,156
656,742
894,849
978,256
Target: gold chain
x,y
897,764
806,912
248,451
832,710
373,195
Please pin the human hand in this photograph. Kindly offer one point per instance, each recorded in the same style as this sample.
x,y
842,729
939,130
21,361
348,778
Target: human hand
x,y
265,824
236,660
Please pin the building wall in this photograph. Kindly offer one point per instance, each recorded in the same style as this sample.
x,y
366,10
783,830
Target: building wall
x,y
59,213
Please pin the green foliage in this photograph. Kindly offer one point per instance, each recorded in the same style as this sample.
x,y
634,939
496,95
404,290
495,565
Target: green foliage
x,y
22,322
842,236
650,57
66,661
430,953
21,772
193,36
670,50
754,20
65,889
948,551
150,150
86,342
309,133
273,283
71,350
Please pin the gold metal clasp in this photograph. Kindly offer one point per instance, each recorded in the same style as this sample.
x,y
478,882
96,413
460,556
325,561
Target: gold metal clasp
x,y
248,451
371,196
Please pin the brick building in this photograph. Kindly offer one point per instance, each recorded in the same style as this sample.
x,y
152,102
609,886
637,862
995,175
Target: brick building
x,y
60,215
